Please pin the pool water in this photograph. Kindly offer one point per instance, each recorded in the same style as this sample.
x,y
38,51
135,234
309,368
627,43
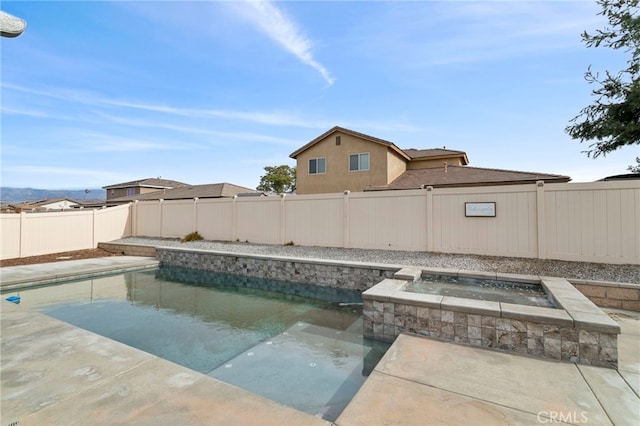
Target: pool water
x,y
296,344
478,289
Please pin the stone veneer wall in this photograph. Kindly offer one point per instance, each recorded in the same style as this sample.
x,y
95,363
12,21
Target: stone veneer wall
x,y
577,333
346,275
611,295
603,294
533,338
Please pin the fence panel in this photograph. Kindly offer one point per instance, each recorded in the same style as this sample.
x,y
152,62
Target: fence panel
x,y
215,219
315,220
258,220
177,218
392,220
112,223
512,232
10,233
593,222
44,233
147,219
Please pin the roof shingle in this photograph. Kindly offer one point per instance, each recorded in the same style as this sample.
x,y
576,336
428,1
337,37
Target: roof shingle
x,y
465,176
149,183
212,190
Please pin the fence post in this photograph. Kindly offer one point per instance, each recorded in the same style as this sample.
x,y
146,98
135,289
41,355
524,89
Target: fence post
x,y
94,230
429,193
346,228
133,211
23,218
541,228
234,218
283,220
160,217
195,215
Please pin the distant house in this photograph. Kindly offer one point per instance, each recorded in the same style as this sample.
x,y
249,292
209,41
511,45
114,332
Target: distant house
x,y
189,192
47,204
342,159
138,187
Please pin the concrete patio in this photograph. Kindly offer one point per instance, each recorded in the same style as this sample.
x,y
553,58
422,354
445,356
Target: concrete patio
x,y
54,373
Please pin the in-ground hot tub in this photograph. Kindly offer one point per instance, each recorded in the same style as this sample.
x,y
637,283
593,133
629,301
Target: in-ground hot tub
x,y
574,330
520,293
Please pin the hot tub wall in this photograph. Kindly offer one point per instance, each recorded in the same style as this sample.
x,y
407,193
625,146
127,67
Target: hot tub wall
x,y
578,332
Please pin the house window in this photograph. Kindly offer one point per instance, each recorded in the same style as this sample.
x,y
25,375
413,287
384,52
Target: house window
x,y
131,191
359,162
317,166
338,140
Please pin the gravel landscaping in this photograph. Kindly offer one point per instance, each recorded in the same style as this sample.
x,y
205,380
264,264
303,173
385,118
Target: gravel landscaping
x,y
554,268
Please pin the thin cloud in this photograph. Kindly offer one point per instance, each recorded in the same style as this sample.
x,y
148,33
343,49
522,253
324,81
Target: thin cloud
x,y
256,117
275,24
242,136
95,99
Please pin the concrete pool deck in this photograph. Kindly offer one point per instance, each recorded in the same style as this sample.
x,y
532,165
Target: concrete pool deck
x,y
54,373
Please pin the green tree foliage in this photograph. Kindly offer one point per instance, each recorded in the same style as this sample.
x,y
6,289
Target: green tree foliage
x,y
278,179
636,168
613,120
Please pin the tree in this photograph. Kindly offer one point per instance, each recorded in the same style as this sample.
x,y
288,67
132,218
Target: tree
x,y
636,168
278,179
613,120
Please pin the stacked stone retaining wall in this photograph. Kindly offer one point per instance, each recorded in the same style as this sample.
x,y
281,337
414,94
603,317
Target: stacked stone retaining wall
x,y
346,275
338,274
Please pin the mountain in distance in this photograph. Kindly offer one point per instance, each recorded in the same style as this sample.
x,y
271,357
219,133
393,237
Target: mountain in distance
x,y
24,194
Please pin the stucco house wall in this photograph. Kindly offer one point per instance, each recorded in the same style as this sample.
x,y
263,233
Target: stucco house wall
x,y
438,162
337,176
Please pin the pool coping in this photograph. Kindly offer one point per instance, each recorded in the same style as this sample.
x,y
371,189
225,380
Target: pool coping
x,y
19,277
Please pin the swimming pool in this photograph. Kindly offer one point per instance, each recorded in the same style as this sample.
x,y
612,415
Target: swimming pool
x,y
295,344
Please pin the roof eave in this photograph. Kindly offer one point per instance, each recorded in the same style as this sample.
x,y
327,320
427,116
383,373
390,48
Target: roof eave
x,y
369,138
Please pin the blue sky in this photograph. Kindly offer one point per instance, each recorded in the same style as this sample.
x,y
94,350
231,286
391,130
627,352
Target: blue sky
x,y
97,93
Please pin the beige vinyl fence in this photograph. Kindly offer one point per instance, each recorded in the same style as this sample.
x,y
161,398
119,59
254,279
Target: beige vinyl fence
x,y
594,222
32,234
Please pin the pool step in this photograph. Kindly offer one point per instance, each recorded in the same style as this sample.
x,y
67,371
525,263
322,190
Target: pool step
x,y
311,368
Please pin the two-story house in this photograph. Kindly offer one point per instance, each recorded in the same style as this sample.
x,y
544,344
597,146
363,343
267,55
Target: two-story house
x,y
138,187
342,159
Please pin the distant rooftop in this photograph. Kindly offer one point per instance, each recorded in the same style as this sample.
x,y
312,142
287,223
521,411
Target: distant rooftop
x,y
187,192
148,183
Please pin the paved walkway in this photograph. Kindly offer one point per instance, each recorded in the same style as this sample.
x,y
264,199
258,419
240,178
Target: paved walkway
x,y
54,373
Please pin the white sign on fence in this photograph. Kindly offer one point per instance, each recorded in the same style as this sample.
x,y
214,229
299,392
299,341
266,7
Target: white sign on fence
x,y
480,209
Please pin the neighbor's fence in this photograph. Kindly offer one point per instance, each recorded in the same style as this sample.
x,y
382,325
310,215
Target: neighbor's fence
x,y
32,234
593,222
